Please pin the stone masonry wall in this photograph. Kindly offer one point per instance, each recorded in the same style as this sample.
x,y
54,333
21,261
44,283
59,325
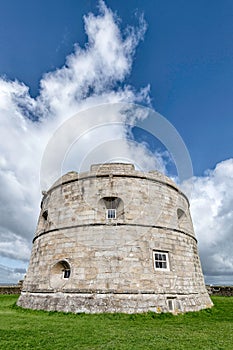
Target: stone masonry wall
x,y
111,261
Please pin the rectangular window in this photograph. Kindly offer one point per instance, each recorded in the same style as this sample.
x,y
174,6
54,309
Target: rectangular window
x,y
161,261
111,214
170,304
66,273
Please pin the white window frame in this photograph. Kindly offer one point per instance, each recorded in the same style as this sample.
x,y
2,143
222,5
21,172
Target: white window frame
x,y
171,304
109,217
161,260
66,273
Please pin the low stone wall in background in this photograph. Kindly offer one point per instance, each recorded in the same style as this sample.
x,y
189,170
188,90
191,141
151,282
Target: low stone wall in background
x,y
226,291
10,289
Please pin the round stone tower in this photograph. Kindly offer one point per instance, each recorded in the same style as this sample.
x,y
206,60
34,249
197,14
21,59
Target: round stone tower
x,y
114,240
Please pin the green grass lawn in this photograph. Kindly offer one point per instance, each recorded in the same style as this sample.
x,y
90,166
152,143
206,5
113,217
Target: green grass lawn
x,y
27,329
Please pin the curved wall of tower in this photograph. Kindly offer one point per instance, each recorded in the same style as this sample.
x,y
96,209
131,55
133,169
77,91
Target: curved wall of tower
x,y
114,240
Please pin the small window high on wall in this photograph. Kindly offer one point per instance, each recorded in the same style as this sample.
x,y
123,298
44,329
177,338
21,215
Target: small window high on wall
x,y
45,215
161,260
111,213
113,207
180,214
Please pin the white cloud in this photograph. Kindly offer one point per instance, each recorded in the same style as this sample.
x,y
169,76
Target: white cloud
x,y
11,275
212,212
14,246
91,76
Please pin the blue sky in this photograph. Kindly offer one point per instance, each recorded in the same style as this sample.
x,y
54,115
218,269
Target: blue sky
x,y
182,64
186,57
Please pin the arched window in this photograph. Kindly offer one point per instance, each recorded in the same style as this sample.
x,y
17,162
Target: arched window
x,y
180,214
62,269
113,207
182,219
45,215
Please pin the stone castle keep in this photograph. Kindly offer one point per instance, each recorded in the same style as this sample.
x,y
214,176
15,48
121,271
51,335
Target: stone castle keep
x,y
114,240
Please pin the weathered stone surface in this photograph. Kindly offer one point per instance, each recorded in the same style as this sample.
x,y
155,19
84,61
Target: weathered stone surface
x,y
111,261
